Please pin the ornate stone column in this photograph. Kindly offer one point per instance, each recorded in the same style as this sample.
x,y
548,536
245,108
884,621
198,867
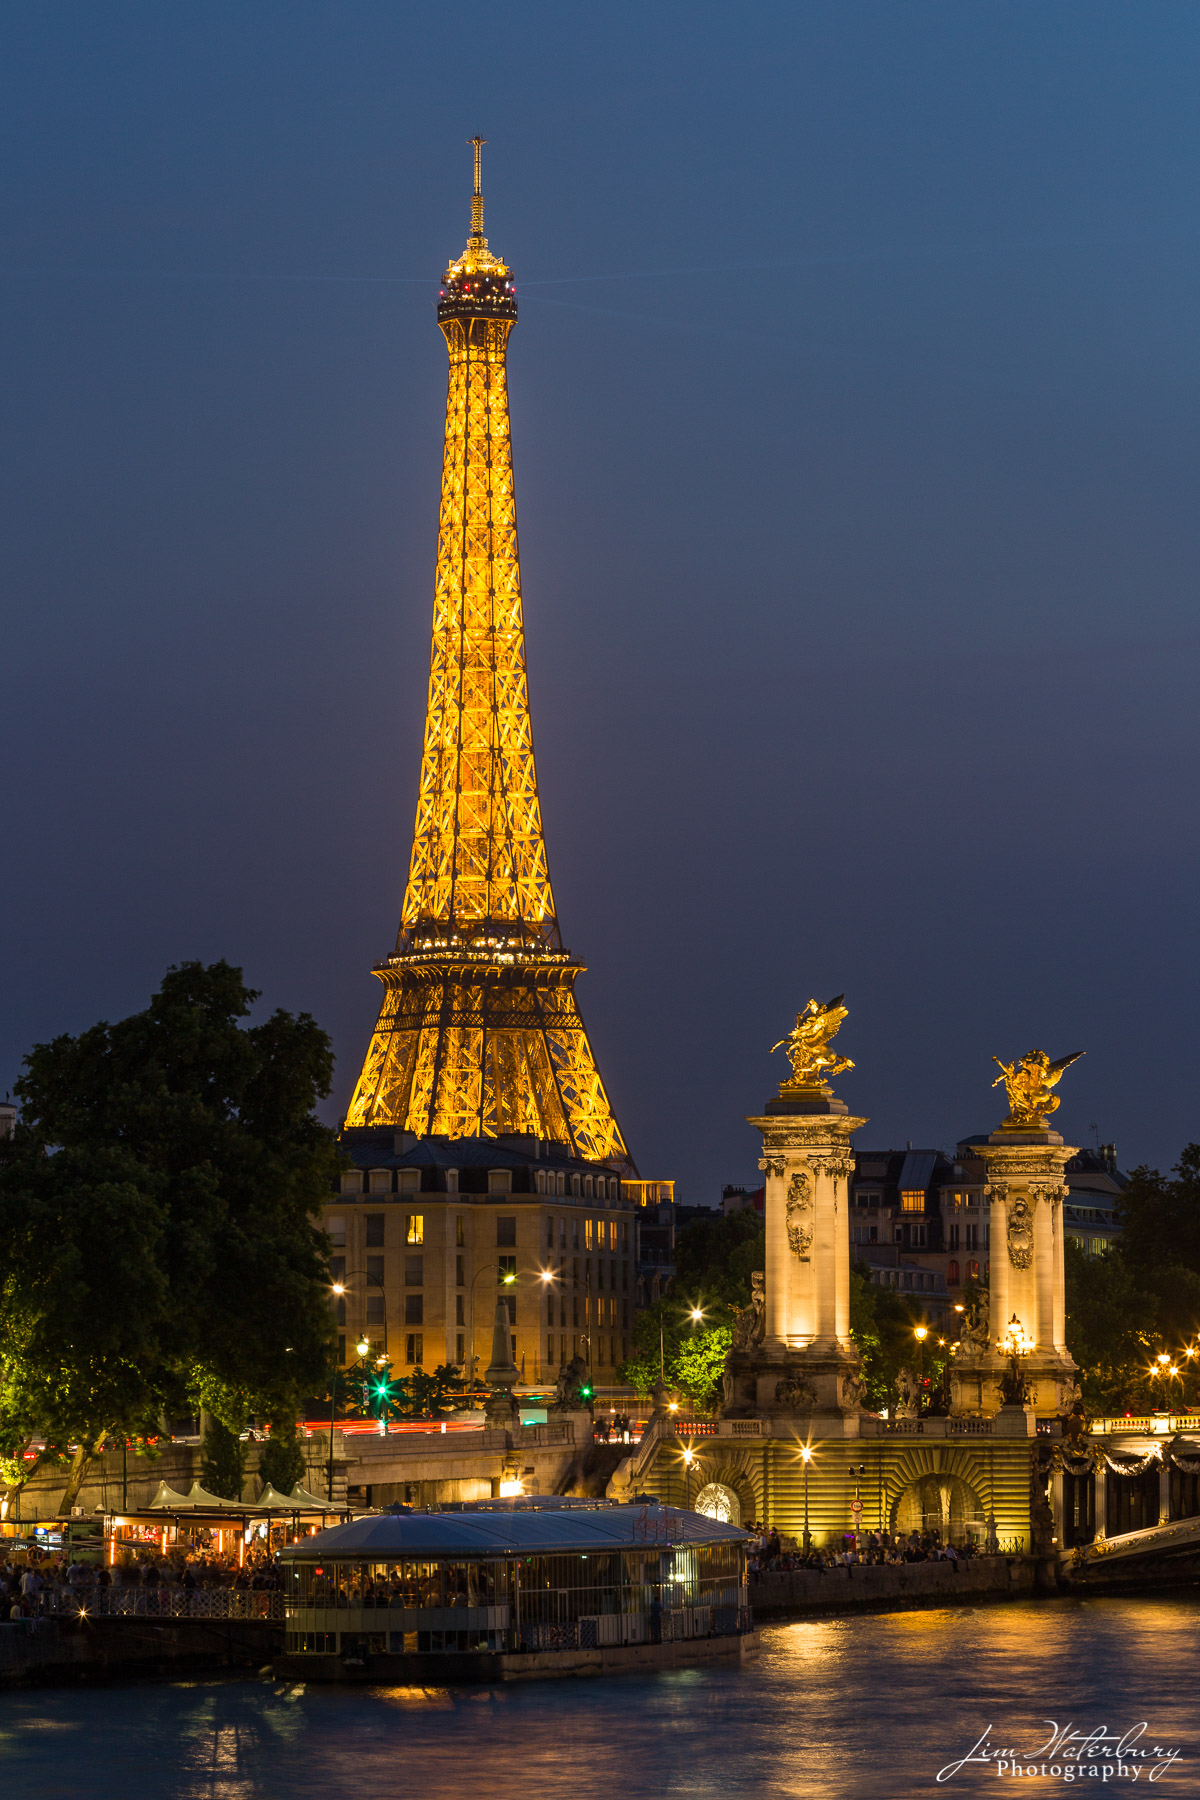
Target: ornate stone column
x,y
1025,1160
804,1362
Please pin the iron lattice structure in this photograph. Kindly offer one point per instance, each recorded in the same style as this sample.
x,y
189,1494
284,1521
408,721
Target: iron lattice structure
x,y
479,1034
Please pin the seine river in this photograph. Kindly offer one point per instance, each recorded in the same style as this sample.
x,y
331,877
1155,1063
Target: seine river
x,y
873,1706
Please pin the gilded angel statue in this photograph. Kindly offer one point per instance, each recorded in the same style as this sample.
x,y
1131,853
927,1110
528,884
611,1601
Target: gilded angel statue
x,y
807,1044
1028,1083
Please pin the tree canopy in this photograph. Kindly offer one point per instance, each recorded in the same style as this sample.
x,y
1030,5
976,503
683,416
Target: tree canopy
x,y
714,1260
1141,1297
159,1207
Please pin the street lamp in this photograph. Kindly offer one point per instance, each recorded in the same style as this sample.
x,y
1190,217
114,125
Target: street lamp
x,y
920,1332
806,1453
508,1279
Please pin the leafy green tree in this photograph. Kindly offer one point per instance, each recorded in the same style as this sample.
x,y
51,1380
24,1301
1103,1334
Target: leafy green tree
x,y
882,1324
159,1207
698,1365
715,1258
222,1461
281,1460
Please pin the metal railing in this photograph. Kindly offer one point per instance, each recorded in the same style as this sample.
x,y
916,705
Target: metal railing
x,y
158,1603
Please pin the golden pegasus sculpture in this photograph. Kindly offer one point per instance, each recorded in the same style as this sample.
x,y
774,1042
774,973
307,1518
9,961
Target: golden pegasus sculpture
x,y
807,1046
1028,1083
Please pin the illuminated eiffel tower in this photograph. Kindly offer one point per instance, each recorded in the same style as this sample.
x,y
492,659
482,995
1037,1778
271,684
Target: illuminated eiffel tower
x,y
479,1034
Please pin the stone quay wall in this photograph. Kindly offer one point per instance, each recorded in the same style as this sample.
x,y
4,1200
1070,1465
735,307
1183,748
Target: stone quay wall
x,y
885,1586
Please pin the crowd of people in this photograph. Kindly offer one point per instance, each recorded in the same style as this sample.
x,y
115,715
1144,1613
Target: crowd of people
x,y
32,1583
772,1554
617,1428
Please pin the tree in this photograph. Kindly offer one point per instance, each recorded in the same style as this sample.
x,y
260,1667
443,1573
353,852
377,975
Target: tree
x,y
714,1260
222,1461
159,1207
882,1324
281,1460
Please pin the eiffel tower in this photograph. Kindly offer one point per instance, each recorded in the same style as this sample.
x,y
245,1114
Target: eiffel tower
x,y
479,1034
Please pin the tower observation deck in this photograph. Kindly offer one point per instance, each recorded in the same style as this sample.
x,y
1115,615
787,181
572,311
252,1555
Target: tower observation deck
x,y
479,1034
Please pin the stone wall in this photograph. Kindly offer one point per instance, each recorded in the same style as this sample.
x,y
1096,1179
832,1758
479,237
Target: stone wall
x,y
890,1585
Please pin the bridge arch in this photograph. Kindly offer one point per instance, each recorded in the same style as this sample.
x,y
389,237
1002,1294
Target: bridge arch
x,y
717,1500
940,1502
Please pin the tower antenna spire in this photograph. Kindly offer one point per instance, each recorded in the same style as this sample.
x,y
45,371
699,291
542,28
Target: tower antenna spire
x,y
477,197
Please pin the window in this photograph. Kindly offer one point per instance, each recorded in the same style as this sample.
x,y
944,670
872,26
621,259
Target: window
x,y
352,1181
414,1229
375,1270
953,1235
375,1228
505,1265
460,1349
414,1271
506,1230
574,1271
561,1183
409,1181
459,1313
374,1309
459,1278
587,1234
575,1311
625,1235
912,1199
972,1271
562,1234
341,1309
414,1309
337,1268
576,1186
452,1181
574,1234
549,1234
952,1274
379,1181
511,1303
414,1348
460,1229
499,1181
600,1272
625,1315
588,1186
337,1232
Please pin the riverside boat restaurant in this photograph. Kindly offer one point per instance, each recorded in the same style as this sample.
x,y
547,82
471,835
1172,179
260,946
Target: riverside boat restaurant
x,y
510,1588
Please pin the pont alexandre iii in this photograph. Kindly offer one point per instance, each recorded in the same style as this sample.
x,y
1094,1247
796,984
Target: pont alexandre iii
x,y
793,1442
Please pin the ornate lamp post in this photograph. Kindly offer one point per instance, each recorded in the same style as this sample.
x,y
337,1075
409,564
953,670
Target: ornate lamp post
x,y
689,1457
806,1453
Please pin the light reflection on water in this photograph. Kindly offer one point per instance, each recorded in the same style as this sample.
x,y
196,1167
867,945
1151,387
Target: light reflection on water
x,y
861,1707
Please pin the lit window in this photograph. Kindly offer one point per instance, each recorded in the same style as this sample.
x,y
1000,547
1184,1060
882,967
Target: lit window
x,y
912,1199
414,1228
587,1234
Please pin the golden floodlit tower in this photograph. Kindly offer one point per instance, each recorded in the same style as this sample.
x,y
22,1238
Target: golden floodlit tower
x,y
479,1035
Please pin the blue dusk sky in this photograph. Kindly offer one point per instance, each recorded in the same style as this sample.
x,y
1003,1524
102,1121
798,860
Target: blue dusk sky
x,y
856,415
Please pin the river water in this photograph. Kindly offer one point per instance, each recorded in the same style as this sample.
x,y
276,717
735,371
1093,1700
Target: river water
x,y
858,1707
